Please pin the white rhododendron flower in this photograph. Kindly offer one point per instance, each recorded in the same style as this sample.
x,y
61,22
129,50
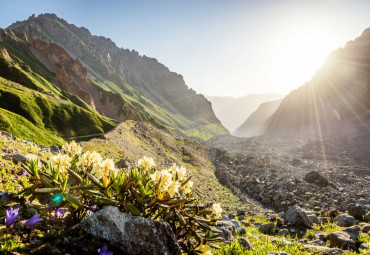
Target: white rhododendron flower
x,y
166,180
156,176
62,161
180,172
88,159
72,148
103,170
187,187
173,189
217,210
146,163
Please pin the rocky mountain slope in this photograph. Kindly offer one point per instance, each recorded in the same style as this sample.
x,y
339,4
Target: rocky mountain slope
x,y
33,105
232,112
252,125
150,89
335,102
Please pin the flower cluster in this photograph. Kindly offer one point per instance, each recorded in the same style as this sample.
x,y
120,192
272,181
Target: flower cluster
x,y
61,161
103,169
216,210
88,159
72,148
171,181
146,163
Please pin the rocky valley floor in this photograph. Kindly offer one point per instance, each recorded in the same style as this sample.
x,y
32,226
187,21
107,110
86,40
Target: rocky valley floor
x,y
296,196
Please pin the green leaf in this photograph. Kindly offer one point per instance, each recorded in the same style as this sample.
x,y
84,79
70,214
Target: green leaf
x,y
73,200
75,175
95,181
133,210
46,190
103,201
88,186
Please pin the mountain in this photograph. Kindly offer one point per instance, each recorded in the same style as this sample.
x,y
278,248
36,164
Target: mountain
x,y
335,102
251,126
32,105
140,87
232,112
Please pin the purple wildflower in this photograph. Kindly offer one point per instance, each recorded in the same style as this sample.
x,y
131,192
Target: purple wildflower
x,y
105,251
24,173
33,220
58,212
16,176
94,207
11,215
89,212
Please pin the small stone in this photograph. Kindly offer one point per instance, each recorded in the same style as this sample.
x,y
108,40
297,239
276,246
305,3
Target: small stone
x,y
367,216
297,217
245,243
266,228
278,253
365,228
345,238
228,230
236,223
241,231
283,232
54,149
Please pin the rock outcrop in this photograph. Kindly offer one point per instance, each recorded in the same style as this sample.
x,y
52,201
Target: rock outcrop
x,y
133,235
346,238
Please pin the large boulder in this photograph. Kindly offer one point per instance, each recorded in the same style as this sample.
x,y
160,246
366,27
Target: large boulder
x,y
356,210
266,228
16,157
346,238
133,235
316,178
345,220
297,217
228,230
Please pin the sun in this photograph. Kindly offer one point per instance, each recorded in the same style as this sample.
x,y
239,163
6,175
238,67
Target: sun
x,y
299,55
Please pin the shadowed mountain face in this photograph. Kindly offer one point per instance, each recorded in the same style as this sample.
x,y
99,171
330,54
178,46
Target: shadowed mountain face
x,y
251,126
156,93
232,112
335,102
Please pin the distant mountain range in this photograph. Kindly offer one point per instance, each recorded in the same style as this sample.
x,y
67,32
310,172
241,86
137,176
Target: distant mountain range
x,y
336,102
233,111
63,62
252,125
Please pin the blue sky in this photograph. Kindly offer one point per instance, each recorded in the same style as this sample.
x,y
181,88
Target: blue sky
x,y
229,48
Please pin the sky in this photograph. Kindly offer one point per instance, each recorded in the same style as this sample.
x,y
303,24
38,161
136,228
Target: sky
x,y
222,48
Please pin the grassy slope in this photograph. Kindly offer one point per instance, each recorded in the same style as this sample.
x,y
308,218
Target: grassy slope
x,y
48,113
21,127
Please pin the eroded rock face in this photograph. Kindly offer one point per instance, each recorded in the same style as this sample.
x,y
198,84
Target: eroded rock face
x,y
297,217
134,235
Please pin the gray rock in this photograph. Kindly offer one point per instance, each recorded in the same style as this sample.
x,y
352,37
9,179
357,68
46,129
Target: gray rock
x,y
228,230
345,220
54,149
297,217
133,235
7,135
266,228
231,216
283,232
364,201
365,228
278,253
313,218
356,210
316,178
367,216
225,217
245,243
345,238
364,246
241,212
323,236
236,223
17,158
241,231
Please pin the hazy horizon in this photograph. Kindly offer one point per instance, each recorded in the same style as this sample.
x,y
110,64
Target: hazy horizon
x,y
232,48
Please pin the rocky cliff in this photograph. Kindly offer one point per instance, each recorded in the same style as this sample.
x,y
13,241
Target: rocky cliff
x,y
335,102
124,71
